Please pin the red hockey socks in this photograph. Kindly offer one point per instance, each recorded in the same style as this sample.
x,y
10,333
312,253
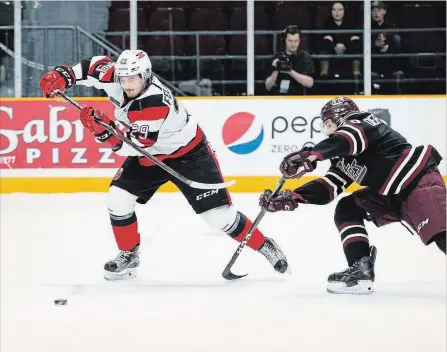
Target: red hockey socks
x,y
256,240
125,229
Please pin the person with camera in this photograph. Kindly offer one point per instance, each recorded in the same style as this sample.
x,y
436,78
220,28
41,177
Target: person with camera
x,y
292,69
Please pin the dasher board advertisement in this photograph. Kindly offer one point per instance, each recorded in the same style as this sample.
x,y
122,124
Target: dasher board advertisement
x,y
251,137
44,138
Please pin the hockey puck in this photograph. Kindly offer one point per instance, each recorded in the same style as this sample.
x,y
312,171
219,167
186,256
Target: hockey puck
x,y
60,302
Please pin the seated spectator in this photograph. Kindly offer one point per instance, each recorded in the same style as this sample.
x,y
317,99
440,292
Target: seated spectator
x,y
339,44
386,42
291,70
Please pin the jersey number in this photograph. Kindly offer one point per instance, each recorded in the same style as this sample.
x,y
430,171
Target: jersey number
x,y
103,67
140,132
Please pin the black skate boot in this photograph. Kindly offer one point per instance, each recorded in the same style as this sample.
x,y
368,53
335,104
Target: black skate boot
x,y
124,266
358,279
274,254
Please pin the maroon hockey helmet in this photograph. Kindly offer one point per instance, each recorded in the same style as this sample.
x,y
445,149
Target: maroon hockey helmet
x,y
338,109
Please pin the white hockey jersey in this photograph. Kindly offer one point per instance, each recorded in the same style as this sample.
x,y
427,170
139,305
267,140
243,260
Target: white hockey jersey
x,y
155,120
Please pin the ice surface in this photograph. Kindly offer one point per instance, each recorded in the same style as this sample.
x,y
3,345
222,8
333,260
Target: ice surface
x,y
55,246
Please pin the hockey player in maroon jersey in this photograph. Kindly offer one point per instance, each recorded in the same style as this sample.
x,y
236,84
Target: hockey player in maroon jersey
x,y
151,116
402,183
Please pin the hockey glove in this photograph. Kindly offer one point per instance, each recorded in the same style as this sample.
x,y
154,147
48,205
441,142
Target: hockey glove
x,y
296,163
87,115
62,77
283,201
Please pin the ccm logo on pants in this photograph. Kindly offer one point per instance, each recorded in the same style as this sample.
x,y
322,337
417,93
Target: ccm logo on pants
x,y
207,194
422,224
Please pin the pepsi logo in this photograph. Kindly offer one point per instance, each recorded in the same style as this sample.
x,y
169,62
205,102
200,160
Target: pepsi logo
x,y
242,133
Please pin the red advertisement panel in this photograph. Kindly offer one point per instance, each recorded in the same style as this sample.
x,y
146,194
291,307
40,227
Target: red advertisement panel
x,y
48,134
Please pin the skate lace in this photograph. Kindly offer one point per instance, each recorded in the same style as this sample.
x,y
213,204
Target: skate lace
x,y
122,257
271,253
355,265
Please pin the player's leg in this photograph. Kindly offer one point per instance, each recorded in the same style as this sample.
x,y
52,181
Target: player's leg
x,y
216,208
425,209
236,225
133,183
439,239
350,214
121,207
349,219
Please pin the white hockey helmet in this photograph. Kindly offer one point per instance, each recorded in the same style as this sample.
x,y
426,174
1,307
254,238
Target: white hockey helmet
x,y
133,62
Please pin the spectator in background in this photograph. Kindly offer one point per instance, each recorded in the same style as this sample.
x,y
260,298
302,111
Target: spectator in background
x,y
292,70
339,44
386,43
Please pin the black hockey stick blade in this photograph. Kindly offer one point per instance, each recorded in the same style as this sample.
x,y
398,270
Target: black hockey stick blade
x,y
227,274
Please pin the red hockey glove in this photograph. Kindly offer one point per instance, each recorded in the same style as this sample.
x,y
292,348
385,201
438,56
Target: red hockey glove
x,y
283,201
87,115
62,77
296,163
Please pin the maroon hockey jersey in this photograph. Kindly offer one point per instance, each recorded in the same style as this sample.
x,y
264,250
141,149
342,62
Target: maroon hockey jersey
x,y
367,151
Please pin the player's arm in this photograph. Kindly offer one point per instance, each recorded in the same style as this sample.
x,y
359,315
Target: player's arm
x,y
146,116
325,189
349,139
322,190
92,72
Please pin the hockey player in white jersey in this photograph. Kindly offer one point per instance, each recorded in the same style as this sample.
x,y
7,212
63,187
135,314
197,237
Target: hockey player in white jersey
x,y
151,116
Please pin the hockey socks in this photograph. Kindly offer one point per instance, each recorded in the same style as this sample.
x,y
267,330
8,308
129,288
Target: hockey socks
x,y
240,229
355,241
125,229
349,219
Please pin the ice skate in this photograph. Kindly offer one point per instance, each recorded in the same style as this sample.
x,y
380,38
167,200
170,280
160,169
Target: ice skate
x,y
124,266
358,279
275,256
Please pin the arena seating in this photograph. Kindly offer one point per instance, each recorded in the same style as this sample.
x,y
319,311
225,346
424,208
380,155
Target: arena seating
x,y
231,15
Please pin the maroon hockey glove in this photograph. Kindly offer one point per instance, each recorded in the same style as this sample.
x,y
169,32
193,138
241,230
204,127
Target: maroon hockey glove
x,y
297,163
283,201
87,115
62,77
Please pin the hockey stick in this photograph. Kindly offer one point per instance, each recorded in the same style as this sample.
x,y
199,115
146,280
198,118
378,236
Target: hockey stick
x,y
227,274
124,139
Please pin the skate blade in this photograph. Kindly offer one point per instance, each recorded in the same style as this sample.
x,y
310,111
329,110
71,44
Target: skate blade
x,y
364,287
125,274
